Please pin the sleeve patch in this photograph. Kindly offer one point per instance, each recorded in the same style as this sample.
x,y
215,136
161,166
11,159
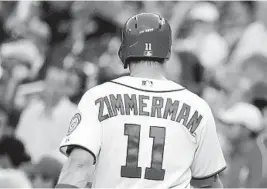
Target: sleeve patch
x,y
75,121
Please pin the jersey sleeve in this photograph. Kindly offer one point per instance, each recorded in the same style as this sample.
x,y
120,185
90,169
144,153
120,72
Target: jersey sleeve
x,y
208,160
85,129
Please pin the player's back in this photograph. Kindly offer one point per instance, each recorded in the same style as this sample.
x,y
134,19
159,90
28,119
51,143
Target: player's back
x,y
148,133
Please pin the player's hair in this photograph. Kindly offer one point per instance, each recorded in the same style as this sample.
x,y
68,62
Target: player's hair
x,y
148,61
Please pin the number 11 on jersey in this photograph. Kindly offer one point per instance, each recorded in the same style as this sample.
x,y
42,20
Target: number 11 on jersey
x,y
131,169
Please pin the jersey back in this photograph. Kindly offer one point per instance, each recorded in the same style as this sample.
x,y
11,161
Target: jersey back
x,y
149,133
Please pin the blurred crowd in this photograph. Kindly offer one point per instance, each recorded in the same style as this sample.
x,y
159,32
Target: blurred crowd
x,y
52,52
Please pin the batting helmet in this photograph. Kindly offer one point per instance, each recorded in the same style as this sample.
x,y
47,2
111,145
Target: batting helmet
x,y
145,35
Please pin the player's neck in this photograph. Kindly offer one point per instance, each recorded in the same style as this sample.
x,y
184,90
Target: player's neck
x,y
147,71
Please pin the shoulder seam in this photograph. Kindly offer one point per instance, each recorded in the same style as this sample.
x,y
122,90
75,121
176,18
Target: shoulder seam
x,y
210,175
135,88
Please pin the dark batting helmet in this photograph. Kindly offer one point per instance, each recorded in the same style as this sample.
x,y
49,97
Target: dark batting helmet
x,y
145,35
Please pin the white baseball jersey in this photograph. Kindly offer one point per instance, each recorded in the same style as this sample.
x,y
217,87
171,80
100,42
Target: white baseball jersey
x,y
146,133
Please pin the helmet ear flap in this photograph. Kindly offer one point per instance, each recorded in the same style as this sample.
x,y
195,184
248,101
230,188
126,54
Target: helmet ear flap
x,y
122,58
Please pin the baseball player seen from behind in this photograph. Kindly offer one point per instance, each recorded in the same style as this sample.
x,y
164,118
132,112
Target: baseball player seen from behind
x,y
142,130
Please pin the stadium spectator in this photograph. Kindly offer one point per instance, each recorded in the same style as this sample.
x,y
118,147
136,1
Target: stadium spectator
x,y
244,34
192,75
45,173
243,127
12,153
47,117
203,38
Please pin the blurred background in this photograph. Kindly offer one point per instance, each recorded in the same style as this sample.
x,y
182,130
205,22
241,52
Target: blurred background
x,y
52,52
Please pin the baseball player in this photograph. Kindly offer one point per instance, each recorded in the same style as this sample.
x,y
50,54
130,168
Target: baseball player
x,y
142,130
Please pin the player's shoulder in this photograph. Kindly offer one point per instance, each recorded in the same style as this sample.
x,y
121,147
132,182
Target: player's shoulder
x,y
194,97
195,100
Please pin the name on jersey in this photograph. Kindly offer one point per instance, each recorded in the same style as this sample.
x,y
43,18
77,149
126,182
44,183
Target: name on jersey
x,y
125,104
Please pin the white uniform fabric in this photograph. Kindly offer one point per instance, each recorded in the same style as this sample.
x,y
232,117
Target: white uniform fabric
x,y
150,136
